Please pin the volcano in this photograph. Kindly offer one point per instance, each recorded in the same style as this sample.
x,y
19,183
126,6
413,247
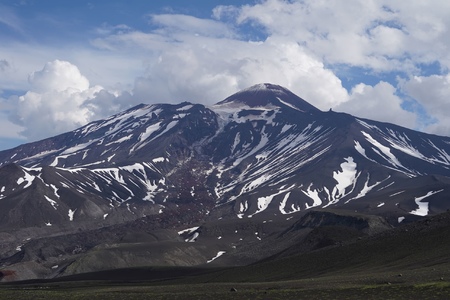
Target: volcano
x,y
204,181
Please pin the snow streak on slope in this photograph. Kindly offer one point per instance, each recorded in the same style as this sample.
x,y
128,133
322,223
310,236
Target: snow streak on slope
x,y
367,188
263,202
285,209
384,152
277,156
151,185
104,142
219,254
412,144
52,202
346,181
314,195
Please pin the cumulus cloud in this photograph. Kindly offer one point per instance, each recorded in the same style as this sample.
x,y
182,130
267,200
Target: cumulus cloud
x,y
58,76
60,99
433,93
379,103
382,35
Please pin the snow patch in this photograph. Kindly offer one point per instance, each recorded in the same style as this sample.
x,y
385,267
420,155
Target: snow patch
x,y
159,160
423,206
71,214
193,238
74,149
123,139
28,178
243,207
188,230
283,203
219,254
344,178
314,195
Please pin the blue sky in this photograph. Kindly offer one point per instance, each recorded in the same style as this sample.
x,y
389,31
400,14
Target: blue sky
x,y
66,63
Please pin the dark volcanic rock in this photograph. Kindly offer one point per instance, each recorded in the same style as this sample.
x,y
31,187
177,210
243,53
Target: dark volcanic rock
x,y
361,222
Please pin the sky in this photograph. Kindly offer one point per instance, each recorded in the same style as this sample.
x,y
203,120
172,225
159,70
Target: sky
x,y
65,63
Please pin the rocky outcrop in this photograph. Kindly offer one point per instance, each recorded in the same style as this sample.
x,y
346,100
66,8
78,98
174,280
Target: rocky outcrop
x,y
367,224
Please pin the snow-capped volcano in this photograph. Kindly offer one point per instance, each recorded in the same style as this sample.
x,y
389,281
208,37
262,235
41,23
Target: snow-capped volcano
x,y
261,153
263,150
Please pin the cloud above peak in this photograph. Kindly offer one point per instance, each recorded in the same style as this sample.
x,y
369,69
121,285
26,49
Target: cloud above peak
x,y
58,76
55,103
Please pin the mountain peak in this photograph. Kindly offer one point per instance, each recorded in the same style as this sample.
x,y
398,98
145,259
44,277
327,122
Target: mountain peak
x,y
265,94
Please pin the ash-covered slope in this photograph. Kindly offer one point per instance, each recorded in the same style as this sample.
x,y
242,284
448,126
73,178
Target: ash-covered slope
x,y
267,95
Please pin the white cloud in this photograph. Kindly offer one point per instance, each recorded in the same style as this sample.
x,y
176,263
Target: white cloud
x,y
378,103
191,25
382,35
57,101
433,92
207,69
9,129
58,76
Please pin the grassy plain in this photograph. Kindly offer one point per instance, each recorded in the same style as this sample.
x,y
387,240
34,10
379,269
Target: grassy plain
x,y
373,286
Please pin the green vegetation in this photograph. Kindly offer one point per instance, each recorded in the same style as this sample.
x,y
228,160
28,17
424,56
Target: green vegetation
x,y
317,288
